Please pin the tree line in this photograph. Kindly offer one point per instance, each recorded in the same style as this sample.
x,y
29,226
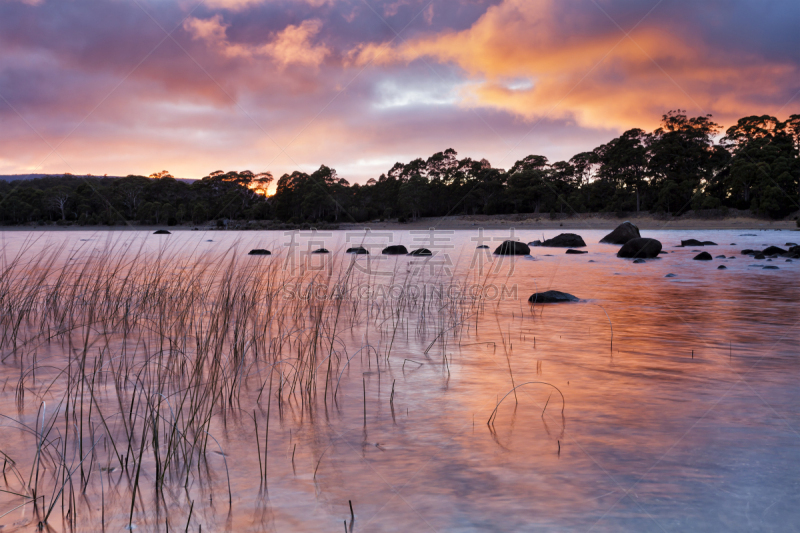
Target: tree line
x,y
683,165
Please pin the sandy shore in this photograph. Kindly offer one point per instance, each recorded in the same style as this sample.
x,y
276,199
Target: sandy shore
x,y
609,221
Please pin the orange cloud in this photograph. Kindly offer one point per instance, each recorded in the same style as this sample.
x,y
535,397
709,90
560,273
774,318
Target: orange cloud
x,y
601,78
237,5
292,45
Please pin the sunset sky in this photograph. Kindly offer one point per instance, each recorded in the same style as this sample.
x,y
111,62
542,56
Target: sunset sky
x,y
136,86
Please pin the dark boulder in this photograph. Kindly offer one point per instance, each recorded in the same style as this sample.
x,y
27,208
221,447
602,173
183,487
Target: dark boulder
x,y
748,251
640,261
395,249
759,255
791,244
482,246
770,267
551,297
358,250
162,232
671,276
640,248
259,251
720,257
695,242
622,234
565,240
571,251
320,251
722,267
513,248
773,250
421,252
703,256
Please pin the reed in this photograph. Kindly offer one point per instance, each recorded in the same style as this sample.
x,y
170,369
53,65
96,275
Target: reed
x,y
154,354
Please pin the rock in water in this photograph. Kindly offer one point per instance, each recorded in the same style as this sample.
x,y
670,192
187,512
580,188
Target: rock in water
x,y
759,255
161,232
671,276
551,297
259,251
421,252
622,234
773,250
720,257
320,251
640,248
640,261
358,250
691,242
571,251
722,267
395,249
770,267
565,240
703,256
513,248
482,246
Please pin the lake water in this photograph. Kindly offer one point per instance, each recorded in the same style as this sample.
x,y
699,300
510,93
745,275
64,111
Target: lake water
x,y
680,410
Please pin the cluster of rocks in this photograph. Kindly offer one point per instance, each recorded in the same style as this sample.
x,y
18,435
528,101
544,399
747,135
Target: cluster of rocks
x,y
359,250
774,252
634,246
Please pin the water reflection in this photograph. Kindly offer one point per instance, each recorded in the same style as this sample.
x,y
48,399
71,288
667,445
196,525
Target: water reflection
x,y
688,423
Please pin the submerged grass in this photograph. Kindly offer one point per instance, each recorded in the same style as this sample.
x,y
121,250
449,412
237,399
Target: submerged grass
x,y
147,354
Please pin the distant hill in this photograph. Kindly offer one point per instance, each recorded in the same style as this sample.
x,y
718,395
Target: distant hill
x,y
15,177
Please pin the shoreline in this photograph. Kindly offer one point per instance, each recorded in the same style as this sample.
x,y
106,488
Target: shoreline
x,y
589,221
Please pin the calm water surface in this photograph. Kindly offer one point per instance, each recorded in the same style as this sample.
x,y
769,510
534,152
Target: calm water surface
x,y
687,420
